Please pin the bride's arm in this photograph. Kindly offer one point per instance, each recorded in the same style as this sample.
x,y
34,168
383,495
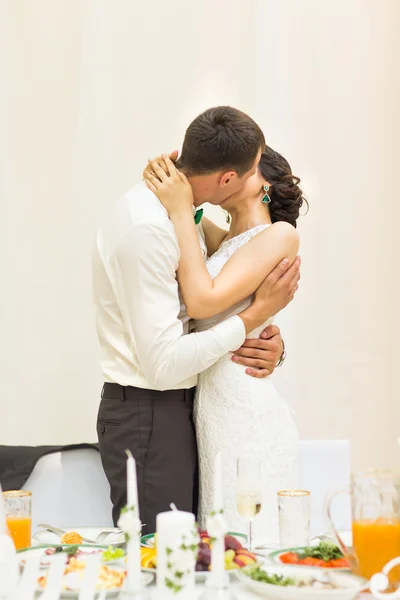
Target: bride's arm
x,y
243,272
241,275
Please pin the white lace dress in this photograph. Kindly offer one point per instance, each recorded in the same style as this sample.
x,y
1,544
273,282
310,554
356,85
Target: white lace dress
x,y
236,414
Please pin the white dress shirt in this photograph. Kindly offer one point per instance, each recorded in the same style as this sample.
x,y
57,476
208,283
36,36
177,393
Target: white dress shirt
x,y
142,328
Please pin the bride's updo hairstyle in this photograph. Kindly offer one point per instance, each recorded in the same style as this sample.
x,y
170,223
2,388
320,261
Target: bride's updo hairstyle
x,y
285,192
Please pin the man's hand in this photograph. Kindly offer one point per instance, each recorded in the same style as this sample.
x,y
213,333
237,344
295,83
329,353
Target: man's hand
x,y
160,162
262,354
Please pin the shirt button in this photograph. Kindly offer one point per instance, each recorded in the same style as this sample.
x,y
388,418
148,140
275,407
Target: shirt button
x,y
102,429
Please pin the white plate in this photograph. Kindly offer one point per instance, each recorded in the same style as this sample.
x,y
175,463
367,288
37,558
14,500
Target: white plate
x,y
353,585
114,539
45,561
72,579
200,576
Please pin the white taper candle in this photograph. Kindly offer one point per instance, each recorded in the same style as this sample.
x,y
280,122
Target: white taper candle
x,y
133,546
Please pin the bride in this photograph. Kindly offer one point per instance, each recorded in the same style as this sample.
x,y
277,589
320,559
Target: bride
x,y
235,414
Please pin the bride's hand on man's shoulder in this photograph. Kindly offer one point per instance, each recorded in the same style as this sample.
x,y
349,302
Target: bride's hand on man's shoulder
x,y
169,185
160,161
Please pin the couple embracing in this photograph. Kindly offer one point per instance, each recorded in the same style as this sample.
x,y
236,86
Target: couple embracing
x,y
184,315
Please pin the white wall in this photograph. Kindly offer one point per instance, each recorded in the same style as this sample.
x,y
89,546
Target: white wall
x,y
326,91
92,88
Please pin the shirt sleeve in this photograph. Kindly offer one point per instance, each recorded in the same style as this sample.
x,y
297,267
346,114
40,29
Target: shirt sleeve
x,y
145,263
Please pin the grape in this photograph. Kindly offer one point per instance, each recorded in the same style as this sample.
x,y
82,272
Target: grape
x,y
204,555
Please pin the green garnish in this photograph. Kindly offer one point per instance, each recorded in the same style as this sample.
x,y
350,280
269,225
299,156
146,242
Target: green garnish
x,y
112,553
70,550
258,574
325,551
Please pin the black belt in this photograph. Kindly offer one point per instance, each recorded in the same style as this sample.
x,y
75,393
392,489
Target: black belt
x,y
128,392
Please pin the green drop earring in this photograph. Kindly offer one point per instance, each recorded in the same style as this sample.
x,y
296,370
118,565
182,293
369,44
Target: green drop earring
x,y
266,199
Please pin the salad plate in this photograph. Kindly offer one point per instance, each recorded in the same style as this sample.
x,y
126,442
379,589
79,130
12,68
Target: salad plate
x,y
325,555
301,583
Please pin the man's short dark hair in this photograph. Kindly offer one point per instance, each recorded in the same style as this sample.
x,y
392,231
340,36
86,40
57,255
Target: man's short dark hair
x,y
221,139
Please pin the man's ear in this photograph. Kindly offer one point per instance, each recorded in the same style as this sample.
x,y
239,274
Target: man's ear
x,y
227,177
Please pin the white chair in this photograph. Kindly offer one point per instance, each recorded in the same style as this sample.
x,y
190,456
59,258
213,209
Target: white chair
x,y
70,489
325,467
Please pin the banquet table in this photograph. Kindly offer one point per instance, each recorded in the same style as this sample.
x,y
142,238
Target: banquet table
x,y
239,591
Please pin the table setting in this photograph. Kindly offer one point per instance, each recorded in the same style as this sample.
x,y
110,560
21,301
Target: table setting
x,y
180,560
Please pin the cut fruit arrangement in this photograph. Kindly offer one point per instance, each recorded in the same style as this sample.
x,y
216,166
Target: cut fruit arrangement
x,y
236,556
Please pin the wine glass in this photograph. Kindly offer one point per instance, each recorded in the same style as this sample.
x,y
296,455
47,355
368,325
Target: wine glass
x,y
248,491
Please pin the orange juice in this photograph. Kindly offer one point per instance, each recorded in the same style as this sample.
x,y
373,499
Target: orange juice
x,y
20,531
375,543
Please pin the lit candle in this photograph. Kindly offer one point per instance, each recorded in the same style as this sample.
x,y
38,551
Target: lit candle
x,y
133,546
218,545
175,528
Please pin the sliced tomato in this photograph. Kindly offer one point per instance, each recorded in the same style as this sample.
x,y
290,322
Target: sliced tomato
x,y
338,563
312,562
290,558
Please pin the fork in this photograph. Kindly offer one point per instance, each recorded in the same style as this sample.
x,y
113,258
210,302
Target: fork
x,y
100,538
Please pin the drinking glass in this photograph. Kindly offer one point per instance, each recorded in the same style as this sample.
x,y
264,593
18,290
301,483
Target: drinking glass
x,y
18,509
294,518
248,492
375,499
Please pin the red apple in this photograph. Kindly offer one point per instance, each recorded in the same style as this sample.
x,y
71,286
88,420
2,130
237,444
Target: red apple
x,y
232,543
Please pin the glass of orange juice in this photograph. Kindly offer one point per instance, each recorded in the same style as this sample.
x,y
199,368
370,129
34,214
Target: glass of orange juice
x,y
375,498
18,508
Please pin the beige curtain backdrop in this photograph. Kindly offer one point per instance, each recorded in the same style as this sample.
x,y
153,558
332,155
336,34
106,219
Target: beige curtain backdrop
x,y
90,88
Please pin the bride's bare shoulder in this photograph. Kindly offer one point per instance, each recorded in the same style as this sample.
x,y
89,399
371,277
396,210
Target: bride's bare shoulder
x,y
280,230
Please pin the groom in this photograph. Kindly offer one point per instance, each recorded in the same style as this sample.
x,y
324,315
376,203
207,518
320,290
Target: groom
x,y
149,358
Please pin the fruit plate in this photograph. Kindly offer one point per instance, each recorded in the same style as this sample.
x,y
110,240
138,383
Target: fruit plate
x,y
201,576
275,557
348,585
148,540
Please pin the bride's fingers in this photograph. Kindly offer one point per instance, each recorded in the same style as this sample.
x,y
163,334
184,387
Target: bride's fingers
x,y
159,171
151,186
153,179
170,165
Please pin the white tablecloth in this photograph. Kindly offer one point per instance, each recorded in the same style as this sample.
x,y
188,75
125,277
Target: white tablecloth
x,y
238,592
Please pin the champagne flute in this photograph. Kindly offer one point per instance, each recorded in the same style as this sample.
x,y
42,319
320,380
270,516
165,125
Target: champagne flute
x,y
248,492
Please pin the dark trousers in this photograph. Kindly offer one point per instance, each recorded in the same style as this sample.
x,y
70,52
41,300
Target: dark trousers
x,y
157,427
